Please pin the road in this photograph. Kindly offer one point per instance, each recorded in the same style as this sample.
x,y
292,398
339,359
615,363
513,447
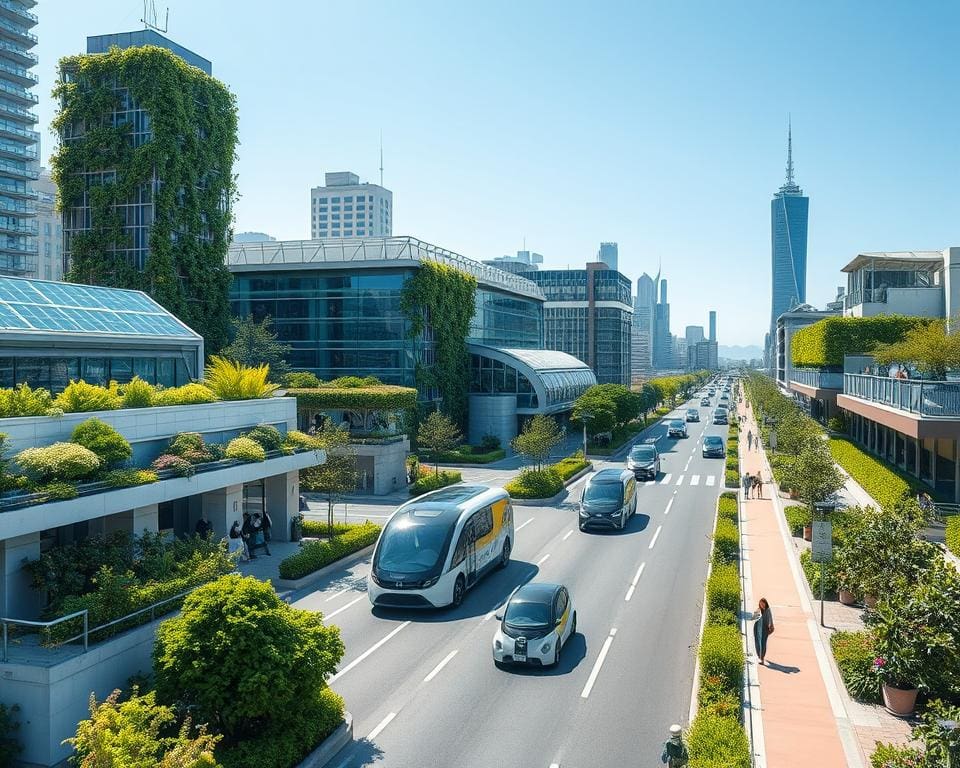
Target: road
x,y
422,685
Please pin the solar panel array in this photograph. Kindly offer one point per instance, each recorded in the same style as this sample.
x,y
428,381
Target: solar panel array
x,y
35,305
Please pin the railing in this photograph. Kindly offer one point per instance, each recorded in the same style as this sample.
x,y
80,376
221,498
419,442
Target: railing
x,y
936,399
810,377
22,12
13,28
16,49
22,93
11,166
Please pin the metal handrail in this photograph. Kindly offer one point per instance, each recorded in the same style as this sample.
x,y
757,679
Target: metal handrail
x,y
46,625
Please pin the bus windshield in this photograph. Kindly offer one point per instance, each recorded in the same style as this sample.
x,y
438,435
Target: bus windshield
x,y
412,547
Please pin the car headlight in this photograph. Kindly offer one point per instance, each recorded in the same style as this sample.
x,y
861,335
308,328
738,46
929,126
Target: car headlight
x,y
430,582
373,575
498,645
545,648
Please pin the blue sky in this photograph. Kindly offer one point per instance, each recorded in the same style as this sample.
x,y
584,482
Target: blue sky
x,y
659,126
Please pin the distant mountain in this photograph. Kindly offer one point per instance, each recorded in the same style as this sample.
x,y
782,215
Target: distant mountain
x,y
750,352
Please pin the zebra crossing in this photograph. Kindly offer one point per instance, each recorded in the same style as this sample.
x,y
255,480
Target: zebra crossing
x,y
691,480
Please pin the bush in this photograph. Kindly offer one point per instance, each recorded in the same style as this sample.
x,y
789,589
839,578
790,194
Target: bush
x,y
179,465
952,535
432,481
812,571
230,380
245,449
535,484
467,455
727,507
110,446
353,382
80,397
137,393
837,424
731,478
715,699
798,516
124,478
302,440
569,466
317,554
60,461
726,542
267,436
58,491
489,443
204,658
301,380
24,401
188,394
733,464
882,481
321,529
190,447
721,655
717,742
723,595
824,343
896,756
854,653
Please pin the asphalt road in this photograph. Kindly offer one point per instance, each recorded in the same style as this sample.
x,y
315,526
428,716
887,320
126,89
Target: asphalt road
x,y
422,686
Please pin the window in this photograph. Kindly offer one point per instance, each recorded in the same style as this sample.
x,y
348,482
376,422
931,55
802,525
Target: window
x,y
322,200
335,208
360,233
561,604
348,199
361,215
323,225
335,216
334,199
348,207
323,209
348,233
336,233
483,522
323,216
348,216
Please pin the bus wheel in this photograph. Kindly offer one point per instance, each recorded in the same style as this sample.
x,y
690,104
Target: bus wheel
x,y
459,588
505,554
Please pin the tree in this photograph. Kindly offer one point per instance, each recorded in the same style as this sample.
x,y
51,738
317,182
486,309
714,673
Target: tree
x,y
242,659
338,474
128,733
649,398
627,404
539,437
932,348
596,409
814,476
256,344
437,433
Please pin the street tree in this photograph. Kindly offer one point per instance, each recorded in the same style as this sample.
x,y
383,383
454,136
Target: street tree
x,y
337,476
539,437
256,344
438,433
931,347
814,475
596,409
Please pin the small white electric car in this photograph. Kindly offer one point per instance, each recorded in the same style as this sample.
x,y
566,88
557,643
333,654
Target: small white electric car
x,y
536,622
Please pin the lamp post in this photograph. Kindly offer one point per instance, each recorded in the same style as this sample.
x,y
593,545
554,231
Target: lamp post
x,y
584,416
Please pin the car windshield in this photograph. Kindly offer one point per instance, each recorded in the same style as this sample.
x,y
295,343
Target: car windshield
x,y
642,454
677,423
521,613
712,441
411,547
603,492
692,411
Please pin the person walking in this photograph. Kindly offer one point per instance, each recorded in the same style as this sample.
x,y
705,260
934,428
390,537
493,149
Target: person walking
x,y
762,627
749,439
745,481
758,484
203,528
258,534
246,532
675,753
235,540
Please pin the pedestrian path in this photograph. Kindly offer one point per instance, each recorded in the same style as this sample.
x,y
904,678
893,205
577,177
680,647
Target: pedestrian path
x,y
802,711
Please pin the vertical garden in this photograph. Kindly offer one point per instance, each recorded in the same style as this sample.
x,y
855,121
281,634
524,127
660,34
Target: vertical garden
x,y
173,160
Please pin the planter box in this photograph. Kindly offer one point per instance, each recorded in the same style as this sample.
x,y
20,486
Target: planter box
x,y
331,745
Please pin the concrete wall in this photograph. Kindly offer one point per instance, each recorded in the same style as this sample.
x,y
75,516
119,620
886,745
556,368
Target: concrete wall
x,y
493,415
919,302
387,461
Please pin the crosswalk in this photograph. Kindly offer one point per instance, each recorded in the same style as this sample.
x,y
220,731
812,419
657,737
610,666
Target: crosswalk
x,y
692,480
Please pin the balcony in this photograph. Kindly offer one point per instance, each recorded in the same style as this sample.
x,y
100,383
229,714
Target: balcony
x,y
14,131
12,31
816,378
16,112
14,227
19,75
17,153
18,54
18,170
926,399
922,301
17,192
14,11
18,94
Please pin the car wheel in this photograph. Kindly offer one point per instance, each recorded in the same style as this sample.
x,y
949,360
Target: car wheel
x,y
459,589
505,554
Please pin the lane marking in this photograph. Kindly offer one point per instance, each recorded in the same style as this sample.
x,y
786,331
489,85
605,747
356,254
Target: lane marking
x,y
629,594
383,724
680,480
669,504
366,653
334,597
342,608
710,479
653,541
666,479
441,665
687,466
543,559
639,573
523,525
567,535
585,693
695,480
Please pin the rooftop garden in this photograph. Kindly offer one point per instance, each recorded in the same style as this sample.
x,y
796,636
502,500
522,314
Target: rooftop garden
x,y
824,343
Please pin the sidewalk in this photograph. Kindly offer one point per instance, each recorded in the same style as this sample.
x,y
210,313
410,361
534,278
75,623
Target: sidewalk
x,y
801,707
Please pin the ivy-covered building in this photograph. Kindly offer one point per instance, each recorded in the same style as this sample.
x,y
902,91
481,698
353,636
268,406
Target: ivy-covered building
x,y
145,174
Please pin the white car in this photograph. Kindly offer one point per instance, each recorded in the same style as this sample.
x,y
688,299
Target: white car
x,y
536,622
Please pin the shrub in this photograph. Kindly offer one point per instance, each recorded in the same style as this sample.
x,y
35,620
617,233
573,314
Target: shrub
x,y
245,449
230,380
812,571
798,516
854,653
80,397
717,742
353,382
191,447
188,394
267,436
60,461
58,491
896,756
302,440
727,507
716,699
721,654
837,424
124,478
317,554
179,465
824,343
432,481
137,393
882,481
24,401
322,528
489,443
723,595
952,535
202,658
301,380
733,465
731,478
569,466
726,542
110,446
535,484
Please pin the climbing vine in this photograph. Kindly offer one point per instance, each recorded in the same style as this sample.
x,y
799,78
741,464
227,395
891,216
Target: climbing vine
x,y
439,302
186,164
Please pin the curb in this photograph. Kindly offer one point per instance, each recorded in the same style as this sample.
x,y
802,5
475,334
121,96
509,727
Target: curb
x,y
556,497
331,745
292,585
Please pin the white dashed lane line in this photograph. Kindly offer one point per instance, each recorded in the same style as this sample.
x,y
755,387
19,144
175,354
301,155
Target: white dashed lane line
x,y
342,608
633,584
373,648
568,534
585,693
656,535
669,504
380,726
524,524
543,559
680,480
441,665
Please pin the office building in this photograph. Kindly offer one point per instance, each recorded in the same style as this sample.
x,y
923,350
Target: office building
x,y
524,261
788,229
345,208
252,237
337,303
49,230
608,255
641,357
18,140
702,356
663,353
679,352
713,326
693,334
141,37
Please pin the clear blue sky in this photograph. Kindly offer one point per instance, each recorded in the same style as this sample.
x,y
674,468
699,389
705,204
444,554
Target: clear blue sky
x,y
660,126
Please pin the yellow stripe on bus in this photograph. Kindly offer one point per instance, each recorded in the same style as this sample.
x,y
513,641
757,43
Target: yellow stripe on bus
x,y
499,509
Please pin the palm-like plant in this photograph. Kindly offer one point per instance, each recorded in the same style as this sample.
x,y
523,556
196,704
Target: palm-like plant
x,y
230,380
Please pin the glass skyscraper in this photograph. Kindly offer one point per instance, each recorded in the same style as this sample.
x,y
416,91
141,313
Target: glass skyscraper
x,y
788,230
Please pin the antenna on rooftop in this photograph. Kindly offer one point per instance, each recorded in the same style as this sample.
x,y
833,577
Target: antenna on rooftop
x,y
150,19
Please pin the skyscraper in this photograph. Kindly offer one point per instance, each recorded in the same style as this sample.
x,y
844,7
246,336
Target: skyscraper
x,y
788,229
18,140
713,326
693,334
344,207
608,255
641,343
663,356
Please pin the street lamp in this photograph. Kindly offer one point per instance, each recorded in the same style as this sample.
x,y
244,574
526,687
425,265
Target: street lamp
x,y
584,415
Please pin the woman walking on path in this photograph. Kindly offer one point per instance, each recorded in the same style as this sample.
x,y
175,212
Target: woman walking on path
x,y
758,484
762,627
746,481
749,439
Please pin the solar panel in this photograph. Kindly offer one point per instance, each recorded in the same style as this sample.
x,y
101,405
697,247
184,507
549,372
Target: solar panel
x,y
38,305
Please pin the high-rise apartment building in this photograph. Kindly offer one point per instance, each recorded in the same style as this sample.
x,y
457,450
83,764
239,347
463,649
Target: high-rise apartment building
x,y
693,334
663,355
788,228
18,139
641,355
344,207
49,230
608,255
713,326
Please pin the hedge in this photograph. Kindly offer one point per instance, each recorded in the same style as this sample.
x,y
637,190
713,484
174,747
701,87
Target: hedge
x,y
726,542
812,571
569,466
854,653
535,484
317,554
824,343
723,594
721,655
731,478
433,481
798,516
886,484
953,534
316,529
727,507
385,397
714,741
465,457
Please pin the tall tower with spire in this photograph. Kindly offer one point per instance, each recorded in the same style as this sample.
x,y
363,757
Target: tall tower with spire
x,y
788,242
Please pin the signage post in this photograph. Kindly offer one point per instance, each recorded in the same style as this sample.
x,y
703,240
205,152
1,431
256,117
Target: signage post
x,y
822,544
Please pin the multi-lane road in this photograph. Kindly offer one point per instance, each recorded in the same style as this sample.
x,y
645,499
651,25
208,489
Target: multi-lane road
x,y
422,686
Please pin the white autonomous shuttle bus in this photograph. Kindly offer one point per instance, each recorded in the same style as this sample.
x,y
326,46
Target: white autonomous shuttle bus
x,y
436,547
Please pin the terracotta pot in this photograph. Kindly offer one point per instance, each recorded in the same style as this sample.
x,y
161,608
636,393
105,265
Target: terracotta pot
x,y
847,598
870,601
808,533
899,701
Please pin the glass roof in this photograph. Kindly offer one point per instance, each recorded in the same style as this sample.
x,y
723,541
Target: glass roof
x,y
40,305
546,359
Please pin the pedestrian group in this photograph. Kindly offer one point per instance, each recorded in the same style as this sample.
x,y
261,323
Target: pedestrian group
x,y
252,535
